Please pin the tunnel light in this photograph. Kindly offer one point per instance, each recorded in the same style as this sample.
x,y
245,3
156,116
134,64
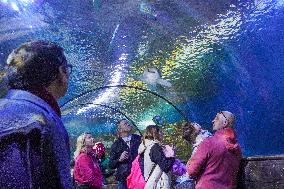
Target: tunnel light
x,y
15,6
123,57
27,1
105,96
19,5
280,3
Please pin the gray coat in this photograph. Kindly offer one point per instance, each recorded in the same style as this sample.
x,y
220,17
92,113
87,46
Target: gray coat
x,y
34,144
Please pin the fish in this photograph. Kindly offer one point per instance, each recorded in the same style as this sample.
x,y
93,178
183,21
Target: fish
x,y
152,77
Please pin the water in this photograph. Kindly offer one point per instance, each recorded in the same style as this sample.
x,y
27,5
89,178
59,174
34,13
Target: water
x,y
226,55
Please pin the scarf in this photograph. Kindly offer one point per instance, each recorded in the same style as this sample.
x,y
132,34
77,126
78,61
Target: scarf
x,y
42,93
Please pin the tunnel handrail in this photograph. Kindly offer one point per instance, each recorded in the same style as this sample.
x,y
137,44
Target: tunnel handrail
x,y
112,108
263,158
126,86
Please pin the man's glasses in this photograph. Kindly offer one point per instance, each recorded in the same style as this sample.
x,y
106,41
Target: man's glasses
x,y
223,115
69,68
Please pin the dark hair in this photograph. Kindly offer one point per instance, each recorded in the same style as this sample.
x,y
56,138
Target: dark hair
x,y
152,132
118,122
34,64
189,133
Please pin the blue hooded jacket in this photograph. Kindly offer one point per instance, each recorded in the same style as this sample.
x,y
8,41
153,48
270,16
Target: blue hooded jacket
x,y
34,144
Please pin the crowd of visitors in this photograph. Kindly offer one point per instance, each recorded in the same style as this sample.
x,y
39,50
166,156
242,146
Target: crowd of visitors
x,y
34,150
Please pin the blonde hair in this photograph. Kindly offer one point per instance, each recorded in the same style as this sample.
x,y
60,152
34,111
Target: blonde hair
x,y
152,132
80,145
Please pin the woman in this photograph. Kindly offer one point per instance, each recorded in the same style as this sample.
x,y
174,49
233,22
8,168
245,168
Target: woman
x,y
157,160
87,173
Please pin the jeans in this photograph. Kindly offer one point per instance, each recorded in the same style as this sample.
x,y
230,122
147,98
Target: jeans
x,y
121,185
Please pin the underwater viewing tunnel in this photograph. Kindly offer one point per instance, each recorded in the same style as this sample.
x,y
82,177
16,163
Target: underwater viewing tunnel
x,y
166,62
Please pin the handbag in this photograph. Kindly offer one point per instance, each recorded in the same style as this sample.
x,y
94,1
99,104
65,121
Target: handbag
x,y
178,168
136,180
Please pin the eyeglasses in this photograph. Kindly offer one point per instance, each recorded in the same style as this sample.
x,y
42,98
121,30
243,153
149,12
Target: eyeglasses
x,y
69,68
223,115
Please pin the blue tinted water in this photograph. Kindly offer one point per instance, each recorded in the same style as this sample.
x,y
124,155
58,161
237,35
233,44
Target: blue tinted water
x,y
226,55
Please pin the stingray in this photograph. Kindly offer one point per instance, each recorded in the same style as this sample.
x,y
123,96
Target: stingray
x,y
152,77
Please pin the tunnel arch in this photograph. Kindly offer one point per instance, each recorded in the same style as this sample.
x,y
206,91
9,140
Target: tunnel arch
x,y
114,109
125,86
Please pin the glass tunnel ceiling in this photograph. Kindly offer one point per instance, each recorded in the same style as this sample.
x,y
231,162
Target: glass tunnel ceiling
x,y
173,58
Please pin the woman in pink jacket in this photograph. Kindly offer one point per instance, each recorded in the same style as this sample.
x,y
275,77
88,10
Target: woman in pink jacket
x,y
87,173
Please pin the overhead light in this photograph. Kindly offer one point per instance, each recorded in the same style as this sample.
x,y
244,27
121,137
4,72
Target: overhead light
x,y
15,6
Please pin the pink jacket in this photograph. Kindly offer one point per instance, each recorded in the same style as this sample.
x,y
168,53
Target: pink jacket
x,y
216,161
87,171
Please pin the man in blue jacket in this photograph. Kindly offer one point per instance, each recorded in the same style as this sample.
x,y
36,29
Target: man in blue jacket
x,y
123,152
34,144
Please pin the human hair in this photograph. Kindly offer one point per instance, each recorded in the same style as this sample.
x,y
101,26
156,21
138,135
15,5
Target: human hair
x,y
232,120
152,132
119,130
80,144
34,64
119,121
189,132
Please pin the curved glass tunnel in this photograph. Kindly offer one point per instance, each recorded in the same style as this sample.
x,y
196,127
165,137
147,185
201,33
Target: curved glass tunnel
x,y
180,60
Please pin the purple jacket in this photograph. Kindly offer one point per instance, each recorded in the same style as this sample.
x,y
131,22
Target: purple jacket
x,y
34,150
216,161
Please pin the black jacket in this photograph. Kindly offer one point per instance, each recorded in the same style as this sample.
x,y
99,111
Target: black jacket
x,y
158,157
118,147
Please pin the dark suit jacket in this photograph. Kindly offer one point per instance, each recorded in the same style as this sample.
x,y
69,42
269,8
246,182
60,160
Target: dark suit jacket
x,y
118,147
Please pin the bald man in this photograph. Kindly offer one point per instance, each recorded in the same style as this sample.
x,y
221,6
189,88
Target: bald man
x,y
216,161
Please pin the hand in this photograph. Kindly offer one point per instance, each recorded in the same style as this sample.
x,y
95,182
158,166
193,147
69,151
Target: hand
x,y
123,156
169,151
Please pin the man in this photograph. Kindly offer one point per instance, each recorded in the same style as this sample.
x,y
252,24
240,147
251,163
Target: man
x,y
216,161
34,150
123,152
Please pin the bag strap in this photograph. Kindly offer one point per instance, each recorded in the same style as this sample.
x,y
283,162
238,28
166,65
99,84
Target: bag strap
x,y
152,170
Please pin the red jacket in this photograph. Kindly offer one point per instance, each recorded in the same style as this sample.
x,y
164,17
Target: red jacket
x,y
87,171
216,161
